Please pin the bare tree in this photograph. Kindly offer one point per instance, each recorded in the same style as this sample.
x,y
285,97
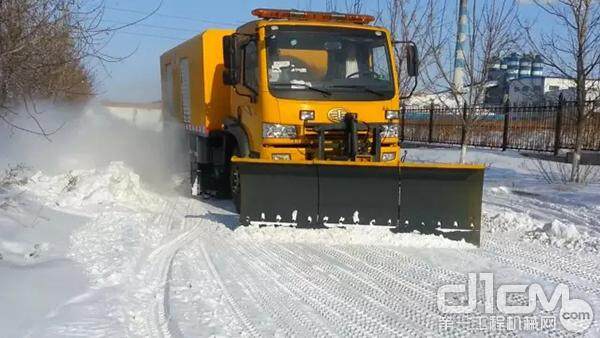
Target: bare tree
x,y
45,50
491,34
408,20
350,6
573,52
354,6
331,5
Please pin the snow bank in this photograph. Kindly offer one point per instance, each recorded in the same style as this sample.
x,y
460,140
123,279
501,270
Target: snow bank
x,y
35,277
350,236
92,137
101,188
564,235
507,221
559,230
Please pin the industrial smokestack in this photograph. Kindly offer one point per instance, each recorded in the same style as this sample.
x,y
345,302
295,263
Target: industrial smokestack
x,y
461,45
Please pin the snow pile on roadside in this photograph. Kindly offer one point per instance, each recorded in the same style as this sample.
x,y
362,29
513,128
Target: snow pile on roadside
x,y
86,190
561,231
555,233
507,221
350,236
109,246
562,235
127,218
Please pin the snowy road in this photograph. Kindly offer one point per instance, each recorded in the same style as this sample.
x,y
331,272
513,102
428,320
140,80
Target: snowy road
x,y
168,266
315,289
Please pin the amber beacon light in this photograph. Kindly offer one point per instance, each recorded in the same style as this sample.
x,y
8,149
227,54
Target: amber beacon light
x,y
268,14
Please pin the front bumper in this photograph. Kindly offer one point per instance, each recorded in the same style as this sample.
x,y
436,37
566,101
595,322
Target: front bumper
x,y
347,140
308,152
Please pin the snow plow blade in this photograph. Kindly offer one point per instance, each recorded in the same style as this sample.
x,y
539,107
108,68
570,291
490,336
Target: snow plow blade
x,y
432,199
442,199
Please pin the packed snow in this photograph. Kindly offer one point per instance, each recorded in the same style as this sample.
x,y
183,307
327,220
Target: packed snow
x,y
103,250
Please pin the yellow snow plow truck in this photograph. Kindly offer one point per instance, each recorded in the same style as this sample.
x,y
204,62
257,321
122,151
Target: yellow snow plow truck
x,y
296,115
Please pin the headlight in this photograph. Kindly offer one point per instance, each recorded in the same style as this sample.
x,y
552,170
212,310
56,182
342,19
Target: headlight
x,y
306,115
386,157
279,131
281,157
389,130
392,114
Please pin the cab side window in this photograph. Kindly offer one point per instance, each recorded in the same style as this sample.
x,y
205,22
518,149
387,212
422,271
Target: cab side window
x,y
251,66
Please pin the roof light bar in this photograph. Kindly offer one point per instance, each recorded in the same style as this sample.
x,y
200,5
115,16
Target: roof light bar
x,y
265,13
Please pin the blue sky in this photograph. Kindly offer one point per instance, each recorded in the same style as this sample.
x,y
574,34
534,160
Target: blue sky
x,y
137,78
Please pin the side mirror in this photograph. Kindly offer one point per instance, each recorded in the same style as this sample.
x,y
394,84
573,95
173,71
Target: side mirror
x,y
231,74
412,64
412,60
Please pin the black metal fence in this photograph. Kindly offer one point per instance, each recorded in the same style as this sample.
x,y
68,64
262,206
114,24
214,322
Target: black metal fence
x,y
538,128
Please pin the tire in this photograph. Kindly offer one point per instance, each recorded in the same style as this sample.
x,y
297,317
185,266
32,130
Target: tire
x,y
223,185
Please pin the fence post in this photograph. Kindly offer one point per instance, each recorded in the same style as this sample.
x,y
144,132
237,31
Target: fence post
x,y
430,137
558,126
506,111
403,119
463,135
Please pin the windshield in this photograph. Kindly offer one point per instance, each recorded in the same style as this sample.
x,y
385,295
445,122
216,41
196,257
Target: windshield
x,y
320,63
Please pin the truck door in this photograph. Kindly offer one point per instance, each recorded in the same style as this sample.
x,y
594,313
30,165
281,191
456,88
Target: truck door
x,y
247,104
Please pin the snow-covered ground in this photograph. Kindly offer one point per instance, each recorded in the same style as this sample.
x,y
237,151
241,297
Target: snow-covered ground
x,y
98,252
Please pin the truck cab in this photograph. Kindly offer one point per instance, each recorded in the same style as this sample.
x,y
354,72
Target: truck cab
x,y
300,81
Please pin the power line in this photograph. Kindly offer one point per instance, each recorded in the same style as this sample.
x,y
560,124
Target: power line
x,y
174,38
126,10
154,26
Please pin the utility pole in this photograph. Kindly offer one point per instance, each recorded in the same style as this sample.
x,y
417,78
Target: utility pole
x,y
461,45
459,73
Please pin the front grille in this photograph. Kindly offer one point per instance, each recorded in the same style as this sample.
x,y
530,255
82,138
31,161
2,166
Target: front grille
x,y
346,140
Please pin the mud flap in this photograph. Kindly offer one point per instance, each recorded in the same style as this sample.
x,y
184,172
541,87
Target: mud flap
x,y
444,201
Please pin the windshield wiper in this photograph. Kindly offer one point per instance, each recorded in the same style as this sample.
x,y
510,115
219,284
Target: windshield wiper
x,y
309,87
363,87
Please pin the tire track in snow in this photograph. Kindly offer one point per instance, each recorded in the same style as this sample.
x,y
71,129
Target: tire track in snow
x,y
251,329
161,260
535,254
151,286
373,316
172,326
344,286
527,264
270,289
289,317
583,265
339,310
456,278
297,316
199,212
535,271
386,284
195,294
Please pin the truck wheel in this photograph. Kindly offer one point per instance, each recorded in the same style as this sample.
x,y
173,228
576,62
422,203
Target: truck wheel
x,y
236,187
